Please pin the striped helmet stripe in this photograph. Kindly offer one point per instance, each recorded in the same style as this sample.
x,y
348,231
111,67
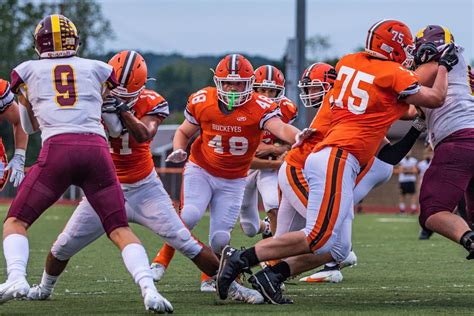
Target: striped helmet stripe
x,y
447,35
56,30
368,44
270,73
309,69
233,61
127,69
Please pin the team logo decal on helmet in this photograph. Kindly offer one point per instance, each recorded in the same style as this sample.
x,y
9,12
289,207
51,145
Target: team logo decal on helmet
x,y
234,68
270,77
315,82
131,71
391,40
56,36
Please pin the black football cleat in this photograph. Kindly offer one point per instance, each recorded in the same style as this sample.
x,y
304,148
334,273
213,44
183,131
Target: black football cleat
x,y
230,266
269,283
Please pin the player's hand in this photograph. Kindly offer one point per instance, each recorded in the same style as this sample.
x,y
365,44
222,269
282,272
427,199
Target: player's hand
x,y
419,124
17,166
301,136
114,105
264,150
425,53
449,58
177,156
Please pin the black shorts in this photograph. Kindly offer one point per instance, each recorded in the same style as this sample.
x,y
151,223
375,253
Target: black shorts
x,y
407,188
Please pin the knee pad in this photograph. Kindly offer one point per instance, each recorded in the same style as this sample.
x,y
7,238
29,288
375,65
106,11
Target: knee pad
x,y
250,229
185,243
190,215
65,247
219,240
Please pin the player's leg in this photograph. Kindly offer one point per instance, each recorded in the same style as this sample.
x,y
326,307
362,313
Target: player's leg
x,y
152,207
95,174
444,184
267,185
331,179
43,185
82,229
249,217
193,208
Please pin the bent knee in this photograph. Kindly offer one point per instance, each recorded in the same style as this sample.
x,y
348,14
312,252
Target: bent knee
x,y
250,229
219,240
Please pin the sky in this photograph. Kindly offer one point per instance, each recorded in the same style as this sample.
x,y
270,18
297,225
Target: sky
x,y
263,27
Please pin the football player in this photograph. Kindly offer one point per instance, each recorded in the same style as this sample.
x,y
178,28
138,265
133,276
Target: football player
x,y
147,202
63,95
315,83
372,90
231,118
262,177
9,111
450,176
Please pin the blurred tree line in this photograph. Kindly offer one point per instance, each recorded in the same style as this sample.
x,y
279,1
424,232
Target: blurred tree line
x,y
18,19
176,76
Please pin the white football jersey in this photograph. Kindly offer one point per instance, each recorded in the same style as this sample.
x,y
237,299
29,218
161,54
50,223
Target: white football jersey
x,y
65,93
407,162
457,112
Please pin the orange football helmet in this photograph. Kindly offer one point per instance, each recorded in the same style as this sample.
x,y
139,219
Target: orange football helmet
x,y
131,72
234,68
270,77
391,40
317,75
56,36
3,165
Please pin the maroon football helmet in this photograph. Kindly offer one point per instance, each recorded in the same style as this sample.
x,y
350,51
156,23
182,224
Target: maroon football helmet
x,y
56,36
439,35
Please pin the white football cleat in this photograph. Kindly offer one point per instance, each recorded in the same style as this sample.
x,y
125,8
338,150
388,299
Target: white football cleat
x,y
332,275
156,303
13,289
238,292
208,286
350,261
38,293
157,270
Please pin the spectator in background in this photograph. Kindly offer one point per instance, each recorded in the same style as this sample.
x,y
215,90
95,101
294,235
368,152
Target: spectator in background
x,y
407,179
422,167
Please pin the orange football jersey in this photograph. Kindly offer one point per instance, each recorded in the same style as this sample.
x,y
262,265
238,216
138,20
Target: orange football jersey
x,y
228,139
296,157
366,99
133,160
289,112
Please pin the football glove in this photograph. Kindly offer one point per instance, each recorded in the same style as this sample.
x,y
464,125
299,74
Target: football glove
x,y
114,105
17,166
426,53
449,58
177,156
419,124
301,136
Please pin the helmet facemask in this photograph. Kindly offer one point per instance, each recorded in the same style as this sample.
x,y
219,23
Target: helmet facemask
x,y
314,99
234,98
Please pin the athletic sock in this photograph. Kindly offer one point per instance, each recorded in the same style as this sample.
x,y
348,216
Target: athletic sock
x,y
48,281
250,256
16,251
165,255
136,261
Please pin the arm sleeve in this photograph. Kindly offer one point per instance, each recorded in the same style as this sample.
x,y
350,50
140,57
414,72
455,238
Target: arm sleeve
x,y
25,121
113,124
393,154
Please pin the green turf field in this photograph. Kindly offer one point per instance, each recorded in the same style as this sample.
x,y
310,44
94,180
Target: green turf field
x,y
396,274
